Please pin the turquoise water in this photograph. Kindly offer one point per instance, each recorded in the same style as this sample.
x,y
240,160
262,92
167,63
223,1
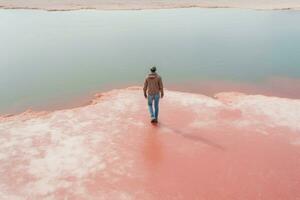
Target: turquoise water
x,y
49,59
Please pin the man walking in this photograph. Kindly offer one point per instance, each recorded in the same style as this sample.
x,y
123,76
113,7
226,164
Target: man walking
x,y
153,90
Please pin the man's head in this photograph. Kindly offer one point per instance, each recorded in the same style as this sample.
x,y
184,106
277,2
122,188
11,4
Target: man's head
x,y
153,69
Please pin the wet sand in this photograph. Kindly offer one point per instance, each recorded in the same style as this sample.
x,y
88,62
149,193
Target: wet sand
x,y
148,4
233,146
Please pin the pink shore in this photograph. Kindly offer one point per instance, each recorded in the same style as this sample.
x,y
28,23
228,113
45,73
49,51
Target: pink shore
x,y
234,146
64,5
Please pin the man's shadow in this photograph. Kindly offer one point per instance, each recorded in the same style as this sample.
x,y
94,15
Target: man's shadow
x,y
153,151
195,137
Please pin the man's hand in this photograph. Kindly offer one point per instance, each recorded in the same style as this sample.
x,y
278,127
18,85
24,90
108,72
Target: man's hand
x,y
162,95
145,95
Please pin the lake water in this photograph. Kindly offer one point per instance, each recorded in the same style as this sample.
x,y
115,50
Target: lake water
x,y
53,59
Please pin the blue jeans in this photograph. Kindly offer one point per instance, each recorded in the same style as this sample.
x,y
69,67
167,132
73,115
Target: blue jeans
x,y
154,98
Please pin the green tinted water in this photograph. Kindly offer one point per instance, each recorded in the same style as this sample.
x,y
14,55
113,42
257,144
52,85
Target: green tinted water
x,y
51,58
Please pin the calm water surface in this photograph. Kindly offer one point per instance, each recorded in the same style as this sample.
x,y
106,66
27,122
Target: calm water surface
x,y
48,59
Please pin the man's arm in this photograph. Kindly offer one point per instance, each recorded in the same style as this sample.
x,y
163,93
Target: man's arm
x,y
145,87
161,87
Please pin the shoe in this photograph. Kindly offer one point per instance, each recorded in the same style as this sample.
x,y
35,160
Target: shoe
x,y
153,120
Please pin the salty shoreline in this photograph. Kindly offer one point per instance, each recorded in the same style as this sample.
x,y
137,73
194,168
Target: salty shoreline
x,y
246,145
144,5
97,97
272,88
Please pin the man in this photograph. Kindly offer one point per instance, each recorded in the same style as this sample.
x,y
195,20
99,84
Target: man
x,y
153,90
